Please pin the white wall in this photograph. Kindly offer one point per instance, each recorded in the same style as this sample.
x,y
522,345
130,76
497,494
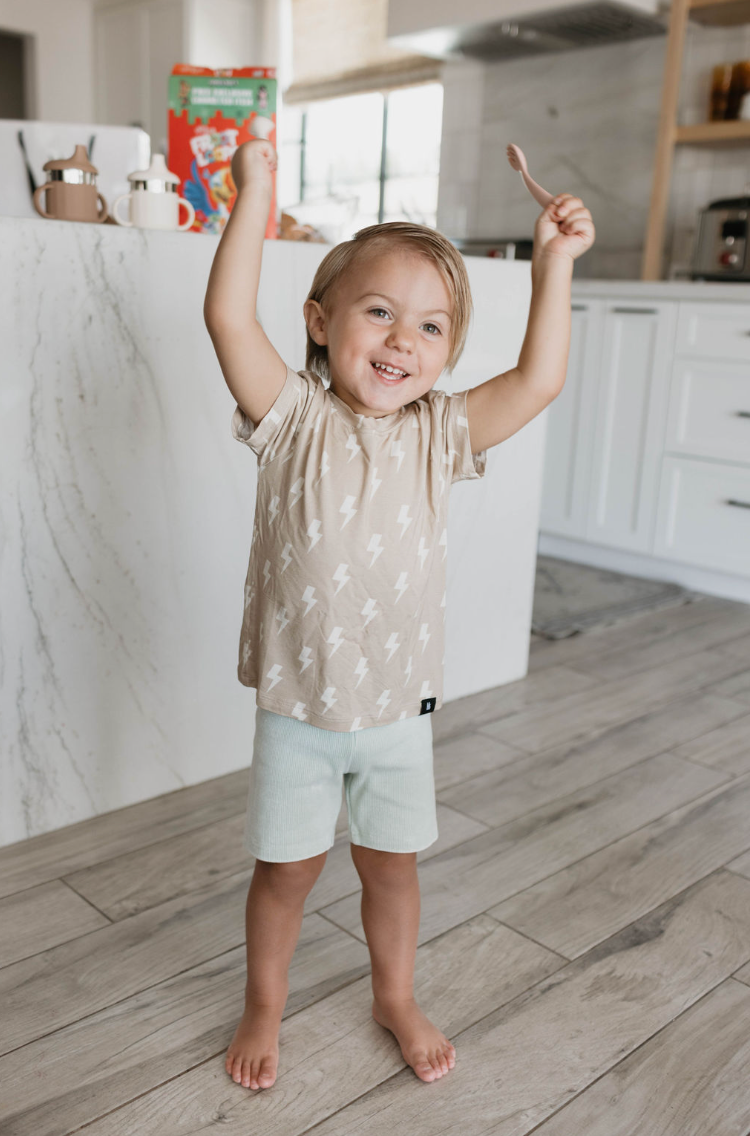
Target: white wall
x,y
62,80
589,129
108,61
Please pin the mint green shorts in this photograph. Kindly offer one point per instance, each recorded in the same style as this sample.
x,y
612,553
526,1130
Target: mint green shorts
x,y
296,780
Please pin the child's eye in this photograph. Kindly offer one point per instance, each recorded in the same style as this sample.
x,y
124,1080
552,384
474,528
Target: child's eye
x,y
375,311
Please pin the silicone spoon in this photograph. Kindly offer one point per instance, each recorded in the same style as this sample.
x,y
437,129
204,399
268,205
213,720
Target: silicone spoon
x,y
517,160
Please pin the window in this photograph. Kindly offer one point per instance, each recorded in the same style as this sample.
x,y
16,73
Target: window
x,y
380,149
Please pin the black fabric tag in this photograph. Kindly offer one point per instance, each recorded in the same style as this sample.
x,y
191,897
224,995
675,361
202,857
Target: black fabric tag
x,y
428,705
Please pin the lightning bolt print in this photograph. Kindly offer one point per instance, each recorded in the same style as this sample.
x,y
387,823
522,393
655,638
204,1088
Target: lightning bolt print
x,y
274,675
383,701
392,644
314,534
353,446
324,467
369,611
347,510
361,669
327,698
401,584
296,491
310,586
341,577
307,597
375,546
404,519
375,482
335,639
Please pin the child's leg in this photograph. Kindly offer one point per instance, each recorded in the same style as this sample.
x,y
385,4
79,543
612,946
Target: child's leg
x,y
273,918
390,917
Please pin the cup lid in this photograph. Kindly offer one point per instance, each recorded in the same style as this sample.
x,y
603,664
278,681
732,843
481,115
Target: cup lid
x,y
79,161
157,171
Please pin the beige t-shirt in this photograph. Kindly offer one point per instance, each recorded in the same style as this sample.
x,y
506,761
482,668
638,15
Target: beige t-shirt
x,y
345,588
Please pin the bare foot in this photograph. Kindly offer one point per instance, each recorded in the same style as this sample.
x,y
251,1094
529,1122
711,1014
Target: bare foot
x,y
424,1047
253,1055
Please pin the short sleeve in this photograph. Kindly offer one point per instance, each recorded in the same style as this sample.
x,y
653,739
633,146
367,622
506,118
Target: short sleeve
x,y
275,432
454,426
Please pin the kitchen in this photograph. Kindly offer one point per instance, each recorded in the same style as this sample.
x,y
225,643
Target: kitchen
x,y
120,630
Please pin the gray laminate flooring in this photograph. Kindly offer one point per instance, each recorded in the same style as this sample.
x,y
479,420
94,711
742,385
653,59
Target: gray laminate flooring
x,y
584,936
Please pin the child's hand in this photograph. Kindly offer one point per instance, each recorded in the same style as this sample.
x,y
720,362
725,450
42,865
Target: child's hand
x,y
254,162
564,228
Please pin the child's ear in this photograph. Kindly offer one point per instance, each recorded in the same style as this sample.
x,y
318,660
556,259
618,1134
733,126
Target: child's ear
x,y
316,322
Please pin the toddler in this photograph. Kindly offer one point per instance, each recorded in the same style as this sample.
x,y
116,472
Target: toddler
x,y
342,633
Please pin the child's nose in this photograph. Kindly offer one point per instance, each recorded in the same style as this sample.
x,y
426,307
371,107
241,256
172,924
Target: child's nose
x,y
401,337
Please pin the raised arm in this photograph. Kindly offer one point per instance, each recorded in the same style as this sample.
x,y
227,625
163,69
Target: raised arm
x,y
253,369
501,406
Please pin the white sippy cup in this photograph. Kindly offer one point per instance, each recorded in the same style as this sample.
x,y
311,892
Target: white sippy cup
x,y
153,201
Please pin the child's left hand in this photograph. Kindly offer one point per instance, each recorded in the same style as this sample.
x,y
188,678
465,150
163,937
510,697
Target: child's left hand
x,y
564,228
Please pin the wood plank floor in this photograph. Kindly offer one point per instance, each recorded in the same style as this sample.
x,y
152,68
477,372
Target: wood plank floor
x,y
584,936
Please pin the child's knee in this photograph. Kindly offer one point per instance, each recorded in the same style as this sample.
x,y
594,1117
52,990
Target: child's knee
x,y
376,864
292,875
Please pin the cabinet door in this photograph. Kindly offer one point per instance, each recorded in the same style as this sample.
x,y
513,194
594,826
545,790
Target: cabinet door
x,y
570,418
630,424
704,514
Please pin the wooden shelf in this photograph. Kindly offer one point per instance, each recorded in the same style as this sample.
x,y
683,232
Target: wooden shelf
x,y
720,13
735,131
711,13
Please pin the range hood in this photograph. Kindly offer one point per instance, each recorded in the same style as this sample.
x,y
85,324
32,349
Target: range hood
x,y
510,29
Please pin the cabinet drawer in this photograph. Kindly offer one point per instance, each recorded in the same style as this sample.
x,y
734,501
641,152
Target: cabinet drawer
x,y
709,410
714,331
703,516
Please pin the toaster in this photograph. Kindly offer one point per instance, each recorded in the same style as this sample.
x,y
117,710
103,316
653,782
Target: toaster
x,y
721,247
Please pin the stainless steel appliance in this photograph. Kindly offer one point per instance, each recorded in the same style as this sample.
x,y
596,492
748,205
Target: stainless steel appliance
x,y
721,246
518,248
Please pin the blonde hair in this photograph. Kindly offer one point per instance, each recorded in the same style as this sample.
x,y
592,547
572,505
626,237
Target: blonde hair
x,y
420,239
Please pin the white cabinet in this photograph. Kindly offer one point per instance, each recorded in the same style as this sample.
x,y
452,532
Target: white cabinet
x,y
647,467
605,430
704,502
709,410
704,514
570,430
630,423
714,331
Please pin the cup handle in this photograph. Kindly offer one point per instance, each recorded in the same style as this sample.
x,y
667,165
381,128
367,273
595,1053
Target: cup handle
x,y
103,211
116,215
190,217
37,200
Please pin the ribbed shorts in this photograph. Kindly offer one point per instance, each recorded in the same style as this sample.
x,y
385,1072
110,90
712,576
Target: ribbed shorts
x,y
298,772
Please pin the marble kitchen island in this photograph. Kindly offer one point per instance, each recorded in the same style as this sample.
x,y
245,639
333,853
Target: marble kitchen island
x,y
127,513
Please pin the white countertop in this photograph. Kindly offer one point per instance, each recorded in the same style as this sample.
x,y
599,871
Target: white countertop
x,y
663,290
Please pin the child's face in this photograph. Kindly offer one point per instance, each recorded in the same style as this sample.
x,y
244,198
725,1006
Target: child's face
x,y
391,308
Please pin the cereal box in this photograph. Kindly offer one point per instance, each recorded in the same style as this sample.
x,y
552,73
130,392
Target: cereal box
x,y
211,113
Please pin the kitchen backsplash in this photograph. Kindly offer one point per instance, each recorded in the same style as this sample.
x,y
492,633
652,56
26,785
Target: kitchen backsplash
x,y
587,121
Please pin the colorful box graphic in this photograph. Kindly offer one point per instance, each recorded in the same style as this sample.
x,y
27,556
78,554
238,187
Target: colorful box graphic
x,y
212,111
